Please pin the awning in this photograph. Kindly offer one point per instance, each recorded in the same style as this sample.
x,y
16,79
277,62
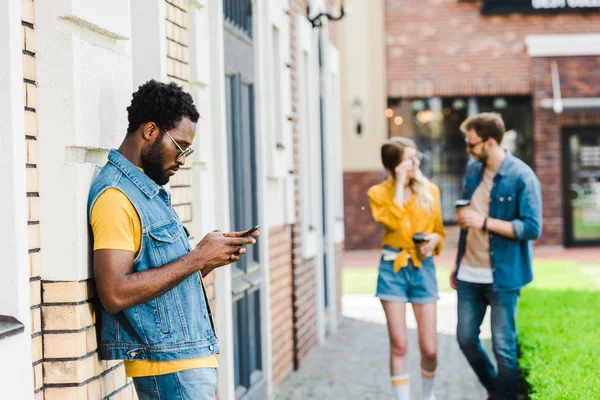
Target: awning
x,y
558,104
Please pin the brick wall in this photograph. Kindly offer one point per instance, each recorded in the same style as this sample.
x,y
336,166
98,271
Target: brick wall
x,y
580,77
177,42
72,369
178,71
305,318
339,257
282,307
361,231
446,47
65,359
304,274
31,133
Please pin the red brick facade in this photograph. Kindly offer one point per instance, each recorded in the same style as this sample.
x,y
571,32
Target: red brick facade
x,y
579,77
361,231
282,311
447,47
339,254
304,278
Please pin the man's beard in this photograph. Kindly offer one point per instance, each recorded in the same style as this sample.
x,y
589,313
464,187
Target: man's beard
x,y
484,156
152,162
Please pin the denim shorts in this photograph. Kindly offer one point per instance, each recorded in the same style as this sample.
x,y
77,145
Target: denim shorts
x,y
409,284
191,384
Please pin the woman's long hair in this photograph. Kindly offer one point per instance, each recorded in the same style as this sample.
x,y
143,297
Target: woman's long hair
x,y
392,152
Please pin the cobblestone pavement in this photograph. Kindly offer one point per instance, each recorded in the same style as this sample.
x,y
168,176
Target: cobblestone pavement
x,y
353,364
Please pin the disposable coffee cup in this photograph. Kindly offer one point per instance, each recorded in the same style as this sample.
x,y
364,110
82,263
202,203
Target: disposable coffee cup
x,y
420,240
462,204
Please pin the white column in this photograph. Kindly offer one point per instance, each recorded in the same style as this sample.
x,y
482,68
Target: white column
x,y
262,49
16,378
220,189
148,41
84,69
334,195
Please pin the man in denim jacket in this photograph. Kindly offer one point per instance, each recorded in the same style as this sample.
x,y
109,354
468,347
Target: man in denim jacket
x,y
495,251
154,312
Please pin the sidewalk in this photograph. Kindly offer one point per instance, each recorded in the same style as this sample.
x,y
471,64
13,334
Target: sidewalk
x,y
354,364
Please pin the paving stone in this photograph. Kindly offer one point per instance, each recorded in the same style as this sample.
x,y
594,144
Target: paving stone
x,y
354,363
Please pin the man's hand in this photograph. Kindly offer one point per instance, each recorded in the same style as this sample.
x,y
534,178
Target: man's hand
x,y
119,287
433,239
471,219
217,249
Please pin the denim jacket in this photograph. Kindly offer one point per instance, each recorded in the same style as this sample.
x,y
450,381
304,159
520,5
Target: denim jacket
x,y
176,325
516,197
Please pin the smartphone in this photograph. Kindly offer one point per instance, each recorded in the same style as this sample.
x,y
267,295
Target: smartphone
x,y
249,232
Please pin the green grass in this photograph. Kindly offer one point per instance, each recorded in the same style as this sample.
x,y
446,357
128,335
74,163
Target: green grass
x,y
364,280
548,275
559,331
558,324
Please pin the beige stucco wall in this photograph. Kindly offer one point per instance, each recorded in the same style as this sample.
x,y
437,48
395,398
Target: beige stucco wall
x,y
363,79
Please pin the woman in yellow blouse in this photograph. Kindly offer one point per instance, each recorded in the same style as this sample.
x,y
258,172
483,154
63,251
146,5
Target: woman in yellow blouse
x,y
406,204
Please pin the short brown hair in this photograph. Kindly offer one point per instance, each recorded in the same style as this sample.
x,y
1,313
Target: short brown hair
x,y
486,125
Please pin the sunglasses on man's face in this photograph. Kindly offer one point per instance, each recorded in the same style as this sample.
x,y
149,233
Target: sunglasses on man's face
x,y
471,146
182,153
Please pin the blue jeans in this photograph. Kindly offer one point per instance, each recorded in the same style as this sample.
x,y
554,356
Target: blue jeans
x,y
197,384
410,284
473,299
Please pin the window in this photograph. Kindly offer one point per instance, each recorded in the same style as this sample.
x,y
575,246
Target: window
x,y
434,124
246,278
239,14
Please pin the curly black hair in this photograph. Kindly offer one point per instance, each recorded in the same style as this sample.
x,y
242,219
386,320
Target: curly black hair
x,y
161,103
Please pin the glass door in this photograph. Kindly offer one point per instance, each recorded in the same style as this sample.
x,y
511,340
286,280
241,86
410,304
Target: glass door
x,y
581,169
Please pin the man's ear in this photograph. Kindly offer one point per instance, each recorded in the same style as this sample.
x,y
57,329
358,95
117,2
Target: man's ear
x,y
150,131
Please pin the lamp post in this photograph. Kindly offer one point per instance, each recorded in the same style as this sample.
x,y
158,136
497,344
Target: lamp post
x,y
316,21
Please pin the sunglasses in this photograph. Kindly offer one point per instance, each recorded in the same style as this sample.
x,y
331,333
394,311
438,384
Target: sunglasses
x,y
419,157
183,153
471,146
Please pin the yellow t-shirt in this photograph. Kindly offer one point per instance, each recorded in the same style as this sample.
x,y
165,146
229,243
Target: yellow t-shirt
x,y
401,222
117,226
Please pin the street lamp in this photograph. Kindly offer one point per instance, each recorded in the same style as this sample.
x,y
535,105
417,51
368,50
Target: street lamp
x,y
318,23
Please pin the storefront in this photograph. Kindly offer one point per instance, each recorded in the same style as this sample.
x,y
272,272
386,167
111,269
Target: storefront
x,y
434,124
581,179
445,63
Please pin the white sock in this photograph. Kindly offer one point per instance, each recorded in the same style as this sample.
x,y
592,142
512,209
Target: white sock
x,y
427,380
401,387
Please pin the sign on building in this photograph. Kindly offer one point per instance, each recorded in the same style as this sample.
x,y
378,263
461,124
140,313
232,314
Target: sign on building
x,y
539,6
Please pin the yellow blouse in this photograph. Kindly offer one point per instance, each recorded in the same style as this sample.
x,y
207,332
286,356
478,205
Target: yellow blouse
x,y
401,222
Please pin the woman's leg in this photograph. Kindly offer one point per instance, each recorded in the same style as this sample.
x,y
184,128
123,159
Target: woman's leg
x,y
425,315
395,313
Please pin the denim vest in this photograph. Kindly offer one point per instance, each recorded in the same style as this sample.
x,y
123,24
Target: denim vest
x,y
516,197
176,325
